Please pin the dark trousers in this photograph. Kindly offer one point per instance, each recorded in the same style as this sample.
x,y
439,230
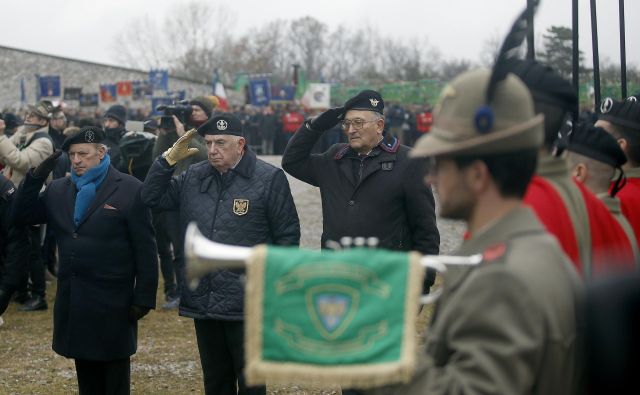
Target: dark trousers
x,y
104,377
36,265
221,347
170,250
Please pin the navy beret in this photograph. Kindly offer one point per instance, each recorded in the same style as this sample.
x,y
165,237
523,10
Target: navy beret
x,y
365,100
223,123
595,143
88,134
625,114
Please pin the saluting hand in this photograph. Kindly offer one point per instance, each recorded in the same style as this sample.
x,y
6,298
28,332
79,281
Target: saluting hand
x,y
47,165
180,149
327,119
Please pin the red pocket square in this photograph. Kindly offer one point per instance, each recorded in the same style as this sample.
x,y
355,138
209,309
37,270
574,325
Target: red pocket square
x,y
109,207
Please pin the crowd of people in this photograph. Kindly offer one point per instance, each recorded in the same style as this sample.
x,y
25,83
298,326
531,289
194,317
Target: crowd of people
x,y
551,206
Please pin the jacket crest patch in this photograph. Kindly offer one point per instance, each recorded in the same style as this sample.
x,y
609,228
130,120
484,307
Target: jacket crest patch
x,y
240,206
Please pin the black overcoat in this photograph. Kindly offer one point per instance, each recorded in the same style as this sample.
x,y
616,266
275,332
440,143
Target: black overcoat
x,y
381,195
106,264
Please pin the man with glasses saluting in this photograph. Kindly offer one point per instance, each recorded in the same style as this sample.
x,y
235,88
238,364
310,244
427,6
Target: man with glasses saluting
x,y
368,186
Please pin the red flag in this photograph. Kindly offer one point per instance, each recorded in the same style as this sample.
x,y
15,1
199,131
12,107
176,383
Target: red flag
x,y
125,88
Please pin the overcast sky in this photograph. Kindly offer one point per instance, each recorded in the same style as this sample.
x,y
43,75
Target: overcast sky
x,y
85,29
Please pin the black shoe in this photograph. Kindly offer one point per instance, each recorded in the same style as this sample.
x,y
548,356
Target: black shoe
x,y
34,304
5,297
22,297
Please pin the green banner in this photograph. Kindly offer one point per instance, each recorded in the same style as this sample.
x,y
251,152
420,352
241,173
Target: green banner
x,y
339,317
421,92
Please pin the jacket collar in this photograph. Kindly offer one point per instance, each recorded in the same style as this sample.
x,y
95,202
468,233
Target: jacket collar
x,y
552,167
518,222
247,164
388,144
634,172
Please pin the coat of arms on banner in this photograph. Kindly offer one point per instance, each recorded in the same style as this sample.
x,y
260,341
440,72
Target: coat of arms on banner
x,y
240,206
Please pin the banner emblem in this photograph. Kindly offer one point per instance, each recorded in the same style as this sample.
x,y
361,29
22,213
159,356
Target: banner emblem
x,y
240,206
331,308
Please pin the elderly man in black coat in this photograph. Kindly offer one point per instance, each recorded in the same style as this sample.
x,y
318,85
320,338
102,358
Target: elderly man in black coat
x,y
369,188
235,198
108,273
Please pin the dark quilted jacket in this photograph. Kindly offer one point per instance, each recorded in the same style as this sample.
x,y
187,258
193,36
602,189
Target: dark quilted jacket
x,y
205,196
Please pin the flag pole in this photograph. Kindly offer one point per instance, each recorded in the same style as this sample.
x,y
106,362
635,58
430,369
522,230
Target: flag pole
x,y
596,57
576,58
623,52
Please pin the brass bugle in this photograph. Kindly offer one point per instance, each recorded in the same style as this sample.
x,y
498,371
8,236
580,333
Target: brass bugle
x,y
204,256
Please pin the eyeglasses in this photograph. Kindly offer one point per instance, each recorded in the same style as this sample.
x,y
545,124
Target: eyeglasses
x,y
357,124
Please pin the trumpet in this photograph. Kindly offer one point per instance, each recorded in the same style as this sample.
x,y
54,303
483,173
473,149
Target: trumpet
x,y
204,256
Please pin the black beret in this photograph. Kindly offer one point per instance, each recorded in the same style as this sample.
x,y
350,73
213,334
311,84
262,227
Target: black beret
x,y
625,114
223,123
545,84
88,134
365,100
596,143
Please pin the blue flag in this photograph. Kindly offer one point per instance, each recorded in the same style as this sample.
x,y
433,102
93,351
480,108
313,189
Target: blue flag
x,y
283,92
159,79
259,92
49,86
108,93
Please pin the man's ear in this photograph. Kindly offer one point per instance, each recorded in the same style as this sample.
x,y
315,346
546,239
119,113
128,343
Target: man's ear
x,y
478,175
242,142
580,172
624,145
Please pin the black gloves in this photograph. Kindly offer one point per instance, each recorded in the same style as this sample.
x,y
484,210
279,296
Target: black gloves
x,y
47,166
136,312
327,119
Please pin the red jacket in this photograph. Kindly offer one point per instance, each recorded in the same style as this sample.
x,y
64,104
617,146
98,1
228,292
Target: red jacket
x,y
630,201
424,120
548,205
291,121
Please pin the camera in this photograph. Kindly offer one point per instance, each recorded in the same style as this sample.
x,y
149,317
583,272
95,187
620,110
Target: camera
x,y
182,110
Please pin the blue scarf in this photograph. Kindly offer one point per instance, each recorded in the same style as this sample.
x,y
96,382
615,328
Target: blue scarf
x,y
86,185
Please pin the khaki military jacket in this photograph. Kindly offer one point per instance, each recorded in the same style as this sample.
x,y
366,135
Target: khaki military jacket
x,y
556,171
509,325
614,207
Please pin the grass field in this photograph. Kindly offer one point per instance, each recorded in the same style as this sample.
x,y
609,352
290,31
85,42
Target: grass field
x,y
167,360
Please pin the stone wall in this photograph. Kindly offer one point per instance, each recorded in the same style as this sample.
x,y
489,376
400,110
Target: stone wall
x,y
16,64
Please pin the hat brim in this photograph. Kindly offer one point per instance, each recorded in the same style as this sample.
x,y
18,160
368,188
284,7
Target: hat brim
x,y
635,126
529,134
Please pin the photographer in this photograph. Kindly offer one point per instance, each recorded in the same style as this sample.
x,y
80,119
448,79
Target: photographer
x,y
166,223
113,123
